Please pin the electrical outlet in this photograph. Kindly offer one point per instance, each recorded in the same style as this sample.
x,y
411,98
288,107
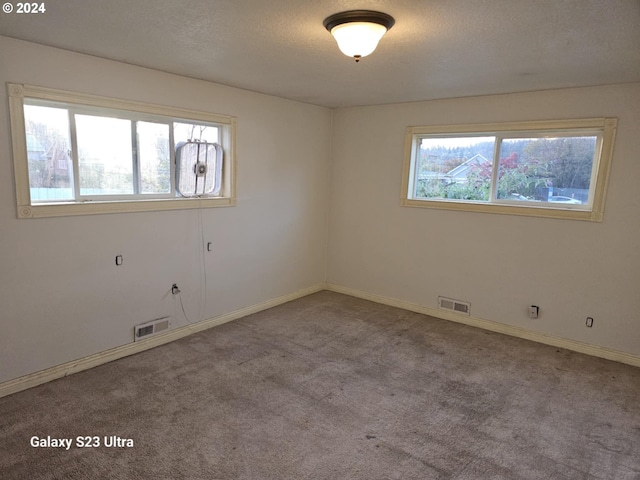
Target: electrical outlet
x,y
533,311
589,322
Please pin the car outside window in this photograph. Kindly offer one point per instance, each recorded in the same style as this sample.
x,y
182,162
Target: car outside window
x,y
553,169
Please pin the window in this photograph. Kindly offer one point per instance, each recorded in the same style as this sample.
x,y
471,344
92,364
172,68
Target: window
x,y
551,169
79,154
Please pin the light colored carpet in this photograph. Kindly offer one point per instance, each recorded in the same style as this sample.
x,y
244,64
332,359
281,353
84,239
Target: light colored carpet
x,y
333,387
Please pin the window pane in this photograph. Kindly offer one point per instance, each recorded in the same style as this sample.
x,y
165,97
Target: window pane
x,y
48,146
183,132
104,155
454,168
556,170
153,157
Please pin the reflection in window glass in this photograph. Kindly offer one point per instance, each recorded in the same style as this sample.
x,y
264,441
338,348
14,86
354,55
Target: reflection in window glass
x,y
454,168
154,157
556,170
48,146
104,155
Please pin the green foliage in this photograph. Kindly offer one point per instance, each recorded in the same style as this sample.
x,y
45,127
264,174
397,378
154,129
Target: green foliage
x,y
569,160
527,167
475,188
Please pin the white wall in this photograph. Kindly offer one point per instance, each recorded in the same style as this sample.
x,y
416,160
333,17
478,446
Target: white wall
x,y
61,295
501,264
62,298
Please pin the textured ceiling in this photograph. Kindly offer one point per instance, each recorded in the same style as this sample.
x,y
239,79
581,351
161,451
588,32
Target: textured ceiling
x,y
437,48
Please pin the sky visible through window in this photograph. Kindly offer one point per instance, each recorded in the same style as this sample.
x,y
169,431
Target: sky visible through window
x,y
108,148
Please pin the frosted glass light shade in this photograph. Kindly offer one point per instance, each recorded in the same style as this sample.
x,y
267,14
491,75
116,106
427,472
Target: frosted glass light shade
x,y
358,39
358,31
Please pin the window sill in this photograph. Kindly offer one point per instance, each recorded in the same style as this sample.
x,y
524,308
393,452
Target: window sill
x,y
94,208
504,209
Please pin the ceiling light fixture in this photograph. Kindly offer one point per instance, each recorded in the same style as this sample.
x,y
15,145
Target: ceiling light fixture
x,y
358,31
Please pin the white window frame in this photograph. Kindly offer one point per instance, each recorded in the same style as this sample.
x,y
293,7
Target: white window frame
x,y
132,111
603,128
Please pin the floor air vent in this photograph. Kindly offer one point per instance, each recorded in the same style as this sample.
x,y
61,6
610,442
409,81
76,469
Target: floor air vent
x,y
457,306
148,329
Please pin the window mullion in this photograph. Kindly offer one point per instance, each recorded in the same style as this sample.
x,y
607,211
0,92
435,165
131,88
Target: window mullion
x,y
135,159
172,160
493,192
75,155
595,169
415,165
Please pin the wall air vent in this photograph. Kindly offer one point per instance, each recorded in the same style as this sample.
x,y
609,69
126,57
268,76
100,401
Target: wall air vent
x,y
198,168
151,328
456,306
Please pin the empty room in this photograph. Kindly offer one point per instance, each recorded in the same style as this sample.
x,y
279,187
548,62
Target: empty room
x,y
320,240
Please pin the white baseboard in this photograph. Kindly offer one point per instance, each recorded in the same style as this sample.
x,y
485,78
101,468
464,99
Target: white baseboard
x,y
59,371
560,342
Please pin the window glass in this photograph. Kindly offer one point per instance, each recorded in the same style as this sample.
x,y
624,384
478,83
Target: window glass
x,y
183,132
556,170
544,168
83,155
154,157
48,147
454,168
104,155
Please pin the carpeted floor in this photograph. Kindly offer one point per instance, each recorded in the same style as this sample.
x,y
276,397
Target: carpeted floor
x,y
333,387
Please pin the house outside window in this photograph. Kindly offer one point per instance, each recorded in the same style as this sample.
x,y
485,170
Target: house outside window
x,y
553,169
77,154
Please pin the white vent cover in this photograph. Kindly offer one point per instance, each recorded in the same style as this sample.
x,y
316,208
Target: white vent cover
x,y
198,168
153,327
456,306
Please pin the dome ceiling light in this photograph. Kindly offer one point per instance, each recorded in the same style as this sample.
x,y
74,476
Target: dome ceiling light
x,y
358,31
